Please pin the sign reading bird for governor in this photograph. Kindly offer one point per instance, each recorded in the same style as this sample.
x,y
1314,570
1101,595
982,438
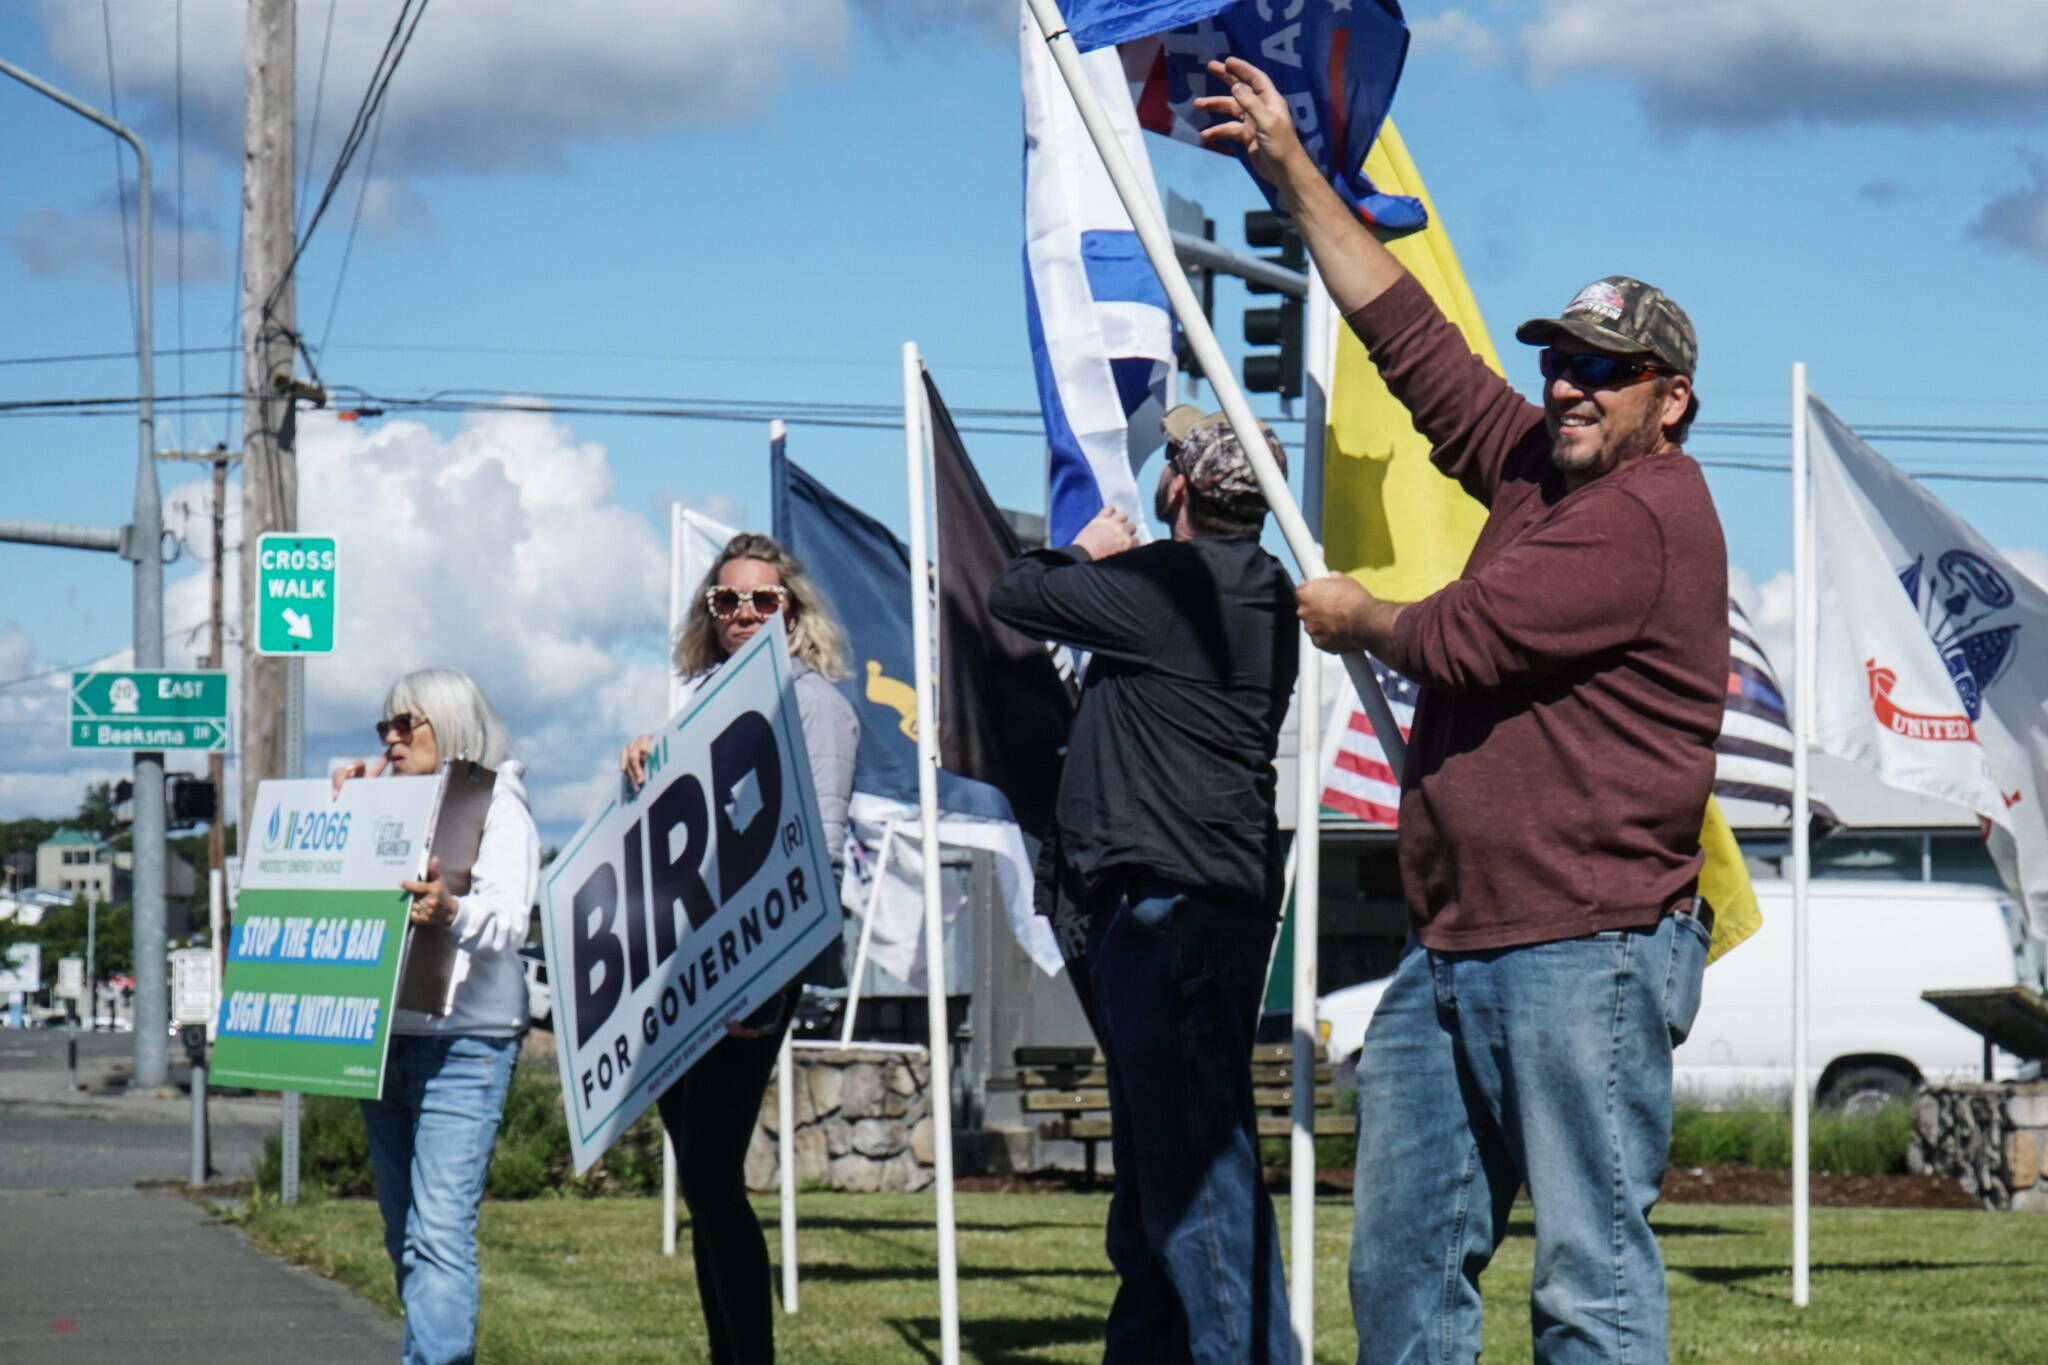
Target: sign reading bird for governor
x,y
689,902
320,932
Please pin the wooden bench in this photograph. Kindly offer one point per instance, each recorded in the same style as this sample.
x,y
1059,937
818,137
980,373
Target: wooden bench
x,y
1069,1087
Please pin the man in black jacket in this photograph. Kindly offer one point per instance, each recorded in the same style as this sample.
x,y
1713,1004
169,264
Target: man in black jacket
x,y
1167,841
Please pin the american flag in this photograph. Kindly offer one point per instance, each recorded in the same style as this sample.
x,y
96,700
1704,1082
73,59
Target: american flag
x,y
1356,779
1753,756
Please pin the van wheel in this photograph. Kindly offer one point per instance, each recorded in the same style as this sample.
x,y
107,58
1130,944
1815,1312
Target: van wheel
x,y
1865,1089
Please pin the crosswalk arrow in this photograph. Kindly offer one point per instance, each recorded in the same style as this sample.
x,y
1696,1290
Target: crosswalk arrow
x,y
297,624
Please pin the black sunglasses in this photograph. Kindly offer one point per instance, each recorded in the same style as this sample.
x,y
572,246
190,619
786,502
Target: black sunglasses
x,y
398,729
1594,371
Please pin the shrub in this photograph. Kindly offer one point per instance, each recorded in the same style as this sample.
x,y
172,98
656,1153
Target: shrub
x,y
531,1158
1872,1143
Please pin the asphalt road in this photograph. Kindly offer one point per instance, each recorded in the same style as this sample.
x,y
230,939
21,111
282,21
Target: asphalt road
x,y
97,1269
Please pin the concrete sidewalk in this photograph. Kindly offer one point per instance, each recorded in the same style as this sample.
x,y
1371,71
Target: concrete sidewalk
x,y
116,1275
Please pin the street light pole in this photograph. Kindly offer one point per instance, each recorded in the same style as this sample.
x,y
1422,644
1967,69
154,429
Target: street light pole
x,y
145,548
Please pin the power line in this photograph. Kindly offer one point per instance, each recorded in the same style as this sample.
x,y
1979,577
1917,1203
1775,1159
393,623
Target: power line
x,y
355,221
82,357
120,181
319,100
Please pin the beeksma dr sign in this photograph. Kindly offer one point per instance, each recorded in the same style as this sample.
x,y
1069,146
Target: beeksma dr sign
x,y
689,902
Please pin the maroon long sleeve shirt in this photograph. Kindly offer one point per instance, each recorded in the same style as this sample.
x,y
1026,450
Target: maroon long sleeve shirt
x,y
1572,677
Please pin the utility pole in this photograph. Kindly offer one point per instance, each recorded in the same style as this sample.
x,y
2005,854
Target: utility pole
x,y
270,472
272,689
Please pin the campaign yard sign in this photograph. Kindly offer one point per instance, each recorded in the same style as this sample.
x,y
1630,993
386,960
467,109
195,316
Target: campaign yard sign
x,y
320,934
689,902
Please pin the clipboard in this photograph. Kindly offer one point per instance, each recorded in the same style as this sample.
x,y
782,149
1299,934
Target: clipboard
x,y
427,982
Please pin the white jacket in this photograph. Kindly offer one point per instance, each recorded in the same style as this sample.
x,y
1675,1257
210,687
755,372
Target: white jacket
x,y
491,923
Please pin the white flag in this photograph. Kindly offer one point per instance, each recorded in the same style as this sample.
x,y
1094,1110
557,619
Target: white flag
x,y
1101,331
1933,650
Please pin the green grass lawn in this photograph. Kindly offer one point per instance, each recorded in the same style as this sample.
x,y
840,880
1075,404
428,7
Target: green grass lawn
x,y
584,1280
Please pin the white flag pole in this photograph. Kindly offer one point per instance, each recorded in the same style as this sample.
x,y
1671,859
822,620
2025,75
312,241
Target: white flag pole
x,y
785,1151
1301,1183
1301,542
1806,679
676,611
916,422
1319,365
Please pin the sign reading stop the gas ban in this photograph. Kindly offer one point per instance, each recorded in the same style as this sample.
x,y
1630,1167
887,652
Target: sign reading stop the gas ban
x,y
294,594
320,933
690,902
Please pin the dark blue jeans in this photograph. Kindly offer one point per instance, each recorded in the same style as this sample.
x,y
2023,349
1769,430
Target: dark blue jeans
x,y
1178,982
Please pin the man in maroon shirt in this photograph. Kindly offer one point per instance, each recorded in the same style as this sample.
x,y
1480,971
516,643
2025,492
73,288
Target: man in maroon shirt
x,y
1558,770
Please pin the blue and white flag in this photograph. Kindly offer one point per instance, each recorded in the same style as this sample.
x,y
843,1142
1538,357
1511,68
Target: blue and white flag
x,y
1101,331
1336,62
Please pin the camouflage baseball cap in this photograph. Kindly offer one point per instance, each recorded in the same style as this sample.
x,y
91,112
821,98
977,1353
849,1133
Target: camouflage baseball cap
x,y
1202,447
1626,317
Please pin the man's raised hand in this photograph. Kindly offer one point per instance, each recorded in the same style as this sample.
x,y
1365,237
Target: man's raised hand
x,y
1258,121
1109,533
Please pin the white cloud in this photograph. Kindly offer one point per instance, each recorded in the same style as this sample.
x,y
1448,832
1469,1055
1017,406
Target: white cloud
x,y
2018,220
486,85
99,241
1456,31
499,549
1758,62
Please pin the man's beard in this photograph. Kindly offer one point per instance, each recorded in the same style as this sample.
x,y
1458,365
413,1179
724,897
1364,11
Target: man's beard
x,y
1645,439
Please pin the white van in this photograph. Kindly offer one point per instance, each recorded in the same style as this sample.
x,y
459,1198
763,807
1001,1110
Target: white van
x,y
1873,947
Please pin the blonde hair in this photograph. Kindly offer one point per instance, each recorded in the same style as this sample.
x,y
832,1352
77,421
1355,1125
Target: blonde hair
x,y
814,635
466,725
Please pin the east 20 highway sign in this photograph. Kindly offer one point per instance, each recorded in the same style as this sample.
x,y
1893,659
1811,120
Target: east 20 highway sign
x,y
149,709
294,594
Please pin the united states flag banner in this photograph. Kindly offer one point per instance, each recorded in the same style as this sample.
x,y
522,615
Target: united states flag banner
x,y
1753,757
1357,780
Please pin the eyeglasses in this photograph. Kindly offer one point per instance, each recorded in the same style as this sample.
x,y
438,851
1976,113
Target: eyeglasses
x,y
1594,371
398,729
725,603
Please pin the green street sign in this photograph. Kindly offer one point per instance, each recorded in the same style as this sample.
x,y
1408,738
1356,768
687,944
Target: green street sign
x,y
143,708
294,594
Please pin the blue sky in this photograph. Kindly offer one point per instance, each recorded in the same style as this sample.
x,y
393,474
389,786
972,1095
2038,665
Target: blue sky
x,y
762,202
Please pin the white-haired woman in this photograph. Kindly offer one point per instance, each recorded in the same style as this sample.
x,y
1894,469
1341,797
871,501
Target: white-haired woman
x,y
711,1111
432,1130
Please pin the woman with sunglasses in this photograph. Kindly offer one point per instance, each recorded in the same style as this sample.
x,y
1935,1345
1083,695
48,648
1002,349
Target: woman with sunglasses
x,y
432,1130
711,1112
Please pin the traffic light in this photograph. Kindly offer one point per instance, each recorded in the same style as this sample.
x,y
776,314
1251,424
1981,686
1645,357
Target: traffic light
x,y
1205,279
1274,371
194,800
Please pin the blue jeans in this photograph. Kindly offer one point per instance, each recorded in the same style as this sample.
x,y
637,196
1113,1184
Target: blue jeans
x,y
1547,1065
1177,983
431,1136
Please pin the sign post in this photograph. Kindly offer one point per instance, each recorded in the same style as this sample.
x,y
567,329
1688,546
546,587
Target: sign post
x,y
320,933
690,902
294,594
150,709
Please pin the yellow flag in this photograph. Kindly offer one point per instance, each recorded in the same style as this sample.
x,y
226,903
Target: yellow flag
x,y
1401,528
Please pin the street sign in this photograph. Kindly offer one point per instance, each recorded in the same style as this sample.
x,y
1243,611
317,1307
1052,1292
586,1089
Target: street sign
x,y
21,969
142,708
193,996
70,978
294,594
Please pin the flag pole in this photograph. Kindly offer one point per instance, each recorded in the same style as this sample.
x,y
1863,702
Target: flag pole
x,y
785,1082
676,610
1158,243
1319,364
1805,679
916,442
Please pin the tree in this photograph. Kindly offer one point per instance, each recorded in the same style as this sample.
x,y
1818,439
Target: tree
x,y
96,812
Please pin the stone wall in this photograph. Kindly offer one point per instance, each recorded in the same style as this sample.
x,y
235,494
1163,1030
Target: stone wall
x,y
1992,1137
863,1122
